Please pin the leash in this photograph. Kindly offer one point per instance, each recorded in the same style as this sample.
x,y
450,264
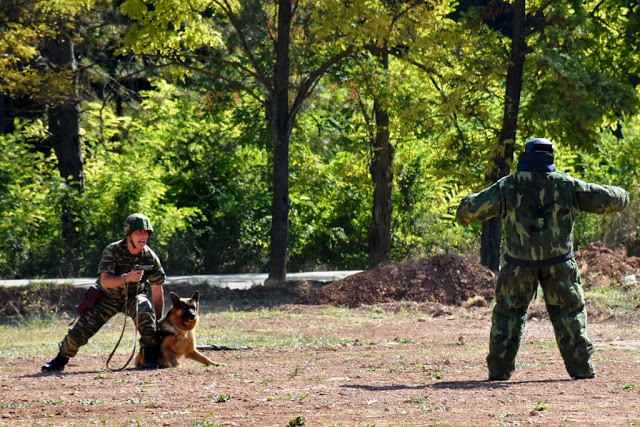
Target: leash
x,y
223,347
124,324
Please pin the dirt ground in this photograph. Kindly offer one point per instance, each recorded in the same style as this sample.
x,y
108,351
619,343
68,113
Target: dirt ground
x,y
422,368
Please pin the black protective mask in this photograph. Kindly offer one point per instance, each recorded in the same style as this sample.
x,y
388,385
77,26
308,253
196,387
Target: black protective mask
x,y
536,161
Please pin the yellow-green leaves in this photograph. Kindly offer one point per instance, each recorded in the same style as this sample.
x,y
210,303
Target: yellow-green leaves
x,y
54,8
17,48
167,27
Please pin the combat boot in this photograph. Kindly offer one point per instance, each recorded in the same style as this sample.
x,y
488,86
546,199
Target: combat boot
x,y
587,372
499,377
586,375
151,357
56,364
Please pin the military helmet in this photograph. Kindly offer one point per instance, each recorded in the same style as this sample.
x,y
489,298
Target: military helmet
x,y
539,144
137,221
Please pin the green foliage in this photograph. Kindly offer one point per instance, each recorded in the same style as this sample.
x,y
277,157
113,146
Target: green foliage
x,y
26,60
615,162
329,215
196,158
425,203
191,172
30,192
125,177
579,78
170,26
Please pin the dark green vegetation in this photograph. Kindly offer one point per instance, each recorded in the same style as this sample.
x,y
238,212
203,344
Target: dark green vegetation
x,y
273,135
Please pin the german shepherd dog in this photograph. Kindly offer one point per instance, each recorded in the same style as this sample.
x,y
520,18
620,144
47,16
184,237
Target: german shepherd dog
x,y
177,329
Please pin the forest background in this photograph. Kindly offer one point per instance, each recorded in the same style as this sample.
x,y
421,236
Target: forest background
x,y
300,135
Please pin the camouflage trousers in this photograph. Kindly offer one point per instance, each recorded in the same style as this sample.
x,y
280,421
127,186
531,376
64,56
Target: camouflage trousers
x,y
103,309
562,288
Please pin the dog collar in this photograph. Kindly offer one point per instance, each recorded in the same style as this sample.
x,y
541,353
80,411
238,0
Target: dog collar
x,y
175,327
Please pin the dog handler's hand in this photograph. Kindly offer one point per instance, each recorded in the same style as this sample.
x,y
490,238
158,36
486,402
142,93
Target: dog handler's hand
x,y
108,280
134,276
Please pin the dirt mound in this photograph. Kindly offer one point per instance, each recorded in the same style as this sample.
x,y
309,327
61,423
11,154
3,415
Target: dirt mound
x,y
445,279
453,280
601,266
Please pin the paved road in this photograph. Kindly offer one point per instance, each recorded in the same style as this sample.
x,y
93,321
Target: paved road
x,y
232,281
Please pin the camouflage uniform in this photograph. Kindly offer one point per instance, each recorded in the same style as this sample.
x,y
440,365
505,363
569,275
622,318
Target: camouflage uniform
x,y
117,260
539,209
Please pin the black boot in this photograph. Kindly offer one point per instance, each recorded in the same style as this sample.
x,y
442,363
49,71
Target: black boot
x,y
151,357
56,364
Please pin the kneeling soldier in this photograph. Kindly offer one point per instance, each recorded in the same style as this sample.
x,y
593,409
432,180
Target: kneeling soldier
x,y
122,289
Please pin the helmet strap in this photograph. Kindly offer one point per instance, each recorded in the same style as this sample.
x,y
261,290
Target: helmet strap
x,y
131,241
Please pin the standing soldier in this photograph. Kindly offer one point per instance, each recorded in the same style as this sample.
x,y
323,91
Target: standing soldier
x,y
123,289
539,206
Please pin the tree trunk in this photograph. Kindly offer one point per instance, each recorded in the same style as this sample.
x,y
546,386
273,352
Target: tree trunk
x,y
490,244
281,132
382,175
5,127
63,123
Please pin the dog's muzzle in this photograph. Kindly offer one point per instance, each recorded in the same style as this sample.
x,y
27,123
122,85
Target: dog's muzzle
x,y
189,315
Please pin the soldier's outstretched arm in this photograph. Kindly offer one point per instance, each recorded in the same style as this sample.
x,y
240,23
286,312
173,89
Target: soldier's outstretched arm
x,y
480,206
601,199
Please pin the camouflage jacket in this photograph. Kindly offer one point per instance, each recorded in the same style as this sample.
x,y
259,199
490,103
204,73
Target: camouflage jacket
x,y
539,210
117,260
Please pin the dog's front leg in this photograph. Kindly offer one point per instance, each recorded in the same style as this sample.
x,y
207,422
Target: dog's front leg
x,y
167,357
164,361
199,357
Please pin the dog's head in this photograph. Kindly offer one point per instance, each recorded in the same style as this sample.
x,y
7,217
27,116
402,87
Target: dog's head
x,y
185,310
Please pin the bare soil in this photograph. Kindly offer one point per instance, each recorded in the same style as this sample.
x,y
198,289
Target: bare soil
x,y
420,362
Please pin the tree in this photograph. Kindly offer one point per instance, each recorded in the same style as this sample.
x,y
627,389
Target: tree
x,y
225,41
378,129
401,29
382,174
64,129
567,88
52,51
503,158
44,67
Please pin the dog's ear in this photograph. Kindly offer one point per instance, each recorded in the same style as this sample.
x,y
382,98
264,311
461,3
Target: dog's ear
x,y
175,298
196,296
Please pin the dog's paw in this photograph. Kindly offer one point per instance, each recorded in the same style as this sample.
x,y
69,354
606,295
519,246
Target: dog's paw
x,y
217,365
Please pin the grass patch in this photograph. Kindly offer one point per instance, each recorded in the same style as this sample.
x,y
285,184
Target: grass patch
x,y
220,398
627,386
206,423
229,327
31,338
540,406
300,420
258,324
613,298
39,335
